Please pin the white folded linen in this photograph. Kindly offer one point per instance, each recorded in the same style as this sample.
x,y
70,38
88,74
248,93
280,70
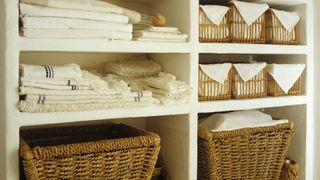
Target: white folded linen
x,y
133,67
75,33
168,94
239,120
34,107
56,98
161,40
215,13
248,70
288,19
55,87
151,28
217,72
165,84
29,10
250,11
70,71
169,101
86,5
158,35
70,23
286,74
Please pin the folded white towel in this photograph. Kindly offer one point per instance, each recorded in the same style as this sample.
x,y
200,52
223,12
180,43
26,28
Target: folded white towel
x,y
164,84
34,107
70,23
75,33
176,95
161,40
158,35
288,19
86,5
169,101
215,13
151,28
286,74
217,72
248,70
28,10
238,120
70,71
250,11
55,87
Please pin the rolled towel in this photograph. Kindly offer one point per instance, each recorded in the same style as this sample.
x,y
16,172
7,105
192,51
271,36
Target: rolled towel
x,y
29,10
70,71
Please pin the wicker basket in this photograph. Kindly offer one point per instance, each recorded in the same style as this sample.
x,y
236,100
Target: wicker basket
x,y
276,33
275,90
240,32
290,170
92,152
255,87
210,32
250,153
213,90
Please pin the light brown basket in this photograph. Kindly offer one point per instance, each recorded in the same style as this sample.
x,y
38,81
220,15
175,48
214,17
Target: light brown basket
x,y
276,33
275,90
240,32
209,32
250,153
290,171
89,152
255,87
213,90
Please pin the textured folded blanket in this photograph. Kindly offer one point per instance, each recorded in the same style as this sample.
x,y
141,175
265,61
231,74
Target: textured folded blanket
x,y
29,10
158,35
74,33
70,23
34,107
70,71
133,67
88,5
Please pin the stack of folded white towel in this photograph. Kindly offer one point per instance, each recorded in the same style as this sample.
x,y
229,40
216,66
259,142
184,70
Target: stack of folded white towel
x,y
68,88
146,31
76,19
142,73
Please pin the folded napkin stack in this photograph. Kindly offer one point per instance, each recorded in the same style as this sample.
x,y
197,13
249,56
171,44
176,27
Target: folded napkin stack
x,y
64,19
146,31
68,88
144,74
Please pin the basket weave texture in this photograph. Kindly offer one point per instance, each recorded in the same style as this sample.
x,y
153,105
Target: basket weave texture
x,y
276,33
275,90
111,151
250,153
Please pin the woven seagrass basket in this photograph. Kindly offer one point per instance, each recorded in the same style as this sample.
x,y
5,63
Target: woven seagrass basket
x,y
240,32
210,32
290,171
210,89
111,151
276,33
275,90
250,153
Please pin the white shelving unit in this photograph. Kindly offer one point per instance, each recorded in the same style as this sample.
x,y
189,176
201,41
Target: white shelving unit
x,y
177,125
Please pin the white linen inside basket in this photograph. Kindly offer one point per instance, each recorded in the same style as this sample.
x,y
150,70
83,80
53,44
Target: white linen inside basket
x,y
248,70
217,72
215,13
286,74
238,120
250,11
288,19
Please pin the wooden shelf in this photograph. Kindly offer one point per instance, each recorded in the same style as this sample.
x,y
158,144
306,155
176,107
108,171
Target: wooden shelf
x,y
256,103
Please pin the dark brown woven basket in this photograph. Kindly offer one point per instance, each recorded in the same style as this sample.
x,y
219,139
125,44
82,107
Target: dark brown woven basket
x,y
110,151
250,153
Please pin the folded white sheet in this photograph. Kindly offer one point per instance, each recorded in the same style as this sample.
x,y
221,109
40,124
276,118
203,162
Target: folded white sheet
x,y
158,35
29,10
248,70
86,5
70,23
288,19
75,33
168,94
161,40
215,13
239,120
34,107
151,28
164,83
250,11
70,71
286,74
217,72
